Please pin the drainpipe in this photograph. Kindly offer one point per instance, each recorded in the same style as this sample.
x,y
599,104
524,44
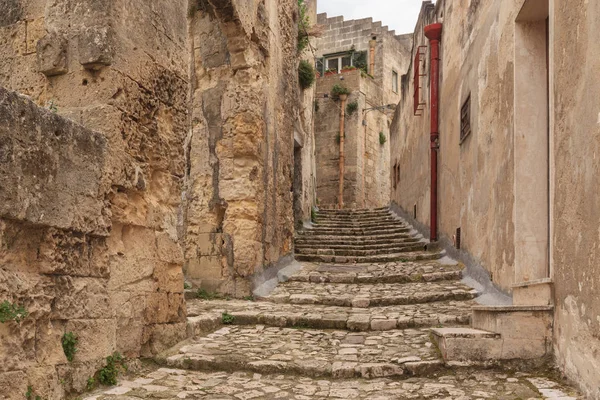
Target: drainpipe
x,y
433,32
343,98
372,44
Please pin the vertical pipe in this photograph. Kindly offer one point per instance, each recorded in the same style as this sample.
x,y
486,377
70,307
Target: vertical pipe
x,y
343,98
434,33
372,44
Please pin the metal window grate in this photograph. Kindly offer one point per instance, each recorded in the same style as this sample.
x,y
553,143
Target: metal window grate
x,y
419,66
465,119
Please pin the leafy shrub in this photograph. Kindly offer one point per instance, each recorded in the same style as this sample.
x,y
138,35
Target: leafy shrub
x,y
114,365
203,294
351,108
337,90
69,345
306,74
12,312
227,318
382,138
313,215
91,384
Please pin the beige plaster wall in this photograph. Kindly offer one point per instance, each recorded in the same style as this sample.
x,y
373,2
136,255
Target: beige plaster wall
x,y
476,177
576,214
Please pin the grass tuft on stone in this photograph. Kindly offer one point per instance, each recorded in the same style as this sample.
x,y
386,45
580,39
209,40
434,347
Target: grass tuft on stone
x,y
12,312
227,318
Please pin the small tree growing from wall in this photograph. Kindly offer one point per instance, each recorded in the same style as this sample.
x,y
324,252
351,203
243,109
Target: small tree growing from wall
x,y
351,108
303,26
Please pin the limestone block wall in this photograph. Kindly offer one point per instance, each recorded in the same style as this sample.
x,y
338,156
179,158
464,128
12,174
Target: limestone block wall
x,y
366,180
391,52
54,225
120,68
239,217
476,178
576,208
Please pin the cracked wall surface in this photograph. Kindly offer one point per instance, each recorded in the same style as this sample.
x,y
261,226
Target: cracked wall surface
x,y
239,196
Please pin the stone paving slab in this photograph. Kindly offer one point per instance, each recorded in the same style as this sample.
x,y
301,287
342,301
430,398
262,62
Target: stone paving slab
x,y
394,272
369,295
175,384
381,258
204,316
311,352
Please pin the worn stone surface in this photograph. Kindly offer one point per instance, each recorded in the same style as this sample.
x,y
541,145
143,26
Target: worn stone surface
x,y
328,317
241,143
465,385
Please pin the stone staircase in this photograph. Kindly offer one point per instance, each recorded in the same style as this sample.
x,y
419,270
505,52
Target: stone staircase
x,y
356,321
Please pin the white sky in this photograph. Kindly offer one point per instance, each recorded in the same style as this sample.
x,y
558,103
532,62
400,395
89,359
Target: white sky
x,y
399,15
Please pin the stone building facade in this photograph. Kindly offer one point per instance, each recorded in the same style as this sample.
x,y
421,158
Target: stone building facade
x,y
155,145
368,59
518,114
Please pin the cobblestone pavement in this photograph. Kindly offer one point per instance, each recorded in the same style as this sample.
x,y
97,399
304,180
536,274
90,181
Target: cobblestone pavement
x,y
311,352
353,331
174,384
394,272
207,315
365,295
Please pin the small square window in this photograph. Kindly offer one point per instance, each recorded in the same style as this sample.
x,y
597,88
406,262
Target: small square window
x,y
346,62
465,119
333,63
394,81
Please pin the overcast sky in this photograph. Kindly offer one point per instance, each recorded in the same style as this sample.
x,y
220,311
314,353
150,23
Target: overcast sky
x,y
399,15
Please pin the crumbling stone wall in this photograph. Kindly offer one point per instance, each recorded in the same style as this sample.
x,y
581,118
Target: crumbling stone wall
x,y
244,92
120,68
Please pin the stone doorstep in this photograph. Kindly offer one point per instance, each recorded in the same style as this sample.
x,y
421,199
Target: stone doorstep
x,y
479,346
515,322
211,321
539,292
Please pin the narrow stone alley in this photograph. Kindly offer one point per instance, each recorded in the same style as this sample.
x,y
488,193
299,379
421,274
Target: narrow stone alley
x,y
354,320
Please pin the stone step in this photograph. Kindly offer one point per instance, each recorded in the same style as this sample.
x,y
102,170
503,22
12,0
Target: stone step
x,y
357,224
364,247
355,211
311,353
372,239
396,272
353,219
206,316
369,295
352,232
369,259
463,383
358,251
344,244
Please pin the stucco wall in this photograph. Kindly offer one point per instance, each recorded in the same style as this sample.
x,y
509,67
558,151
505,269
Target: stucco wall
x,y
475,178
576,214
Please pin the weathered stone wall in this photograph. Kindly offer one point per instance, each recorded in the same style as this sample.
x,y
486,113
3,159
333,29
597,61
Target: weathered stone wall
x,y
576,213
366,180
476,176
241,147
305,179
118,67
54,223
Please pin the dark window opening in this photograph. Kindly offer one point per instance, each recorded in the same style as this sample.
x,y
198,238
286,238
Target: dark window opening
x,y
465,119
394,81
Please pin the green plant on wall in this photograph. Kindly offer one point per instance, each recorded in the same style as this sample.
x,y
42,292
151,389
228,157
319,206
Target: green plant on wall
x,y
227,318
337,90
382,138
109,373
317,106
69,345
306,74
359,60
12,312
303,26
352,107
